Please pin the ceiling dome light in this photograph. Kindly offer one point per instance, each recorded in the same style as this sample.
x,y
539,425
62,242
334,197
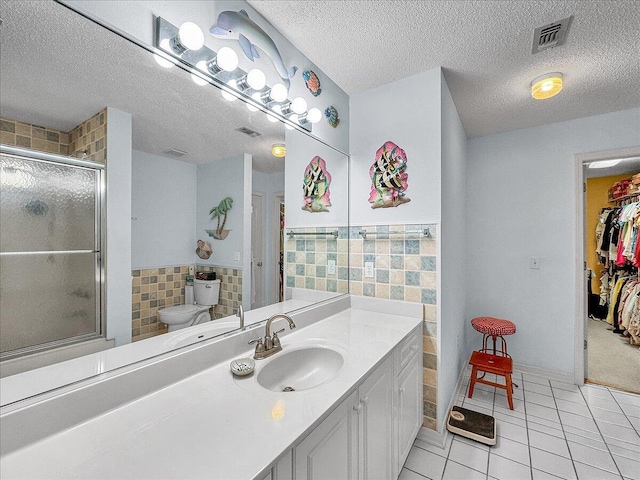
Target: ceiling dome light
x,y
190,36
229,96
314,115
299,105
278,150
546,86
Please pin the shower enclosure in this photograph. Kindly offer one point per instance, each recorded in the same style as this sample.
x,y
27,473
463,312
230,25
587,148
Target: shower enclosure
x,y
51,271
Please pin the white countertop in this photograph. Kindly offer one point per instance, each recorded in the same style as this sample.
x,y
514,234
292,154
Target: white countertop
x,y
35,382
210,425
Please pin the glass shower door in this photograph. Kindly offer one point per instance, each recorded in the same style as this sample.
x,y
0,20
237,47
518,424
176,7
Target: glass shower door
x,y
50,265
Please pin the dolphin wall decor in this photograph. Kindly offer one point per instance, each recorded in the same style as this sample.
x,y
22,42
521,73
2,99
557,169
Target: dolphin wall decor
x,y
238,26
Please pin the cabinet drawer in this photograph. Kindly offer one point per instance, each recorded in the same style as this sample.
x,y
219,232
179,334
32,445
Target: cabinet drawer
x,y
407,348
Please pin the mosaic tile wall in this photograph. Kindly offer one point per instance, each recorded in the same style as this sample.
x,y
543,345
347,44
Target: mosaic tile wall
x,y
89,137
404,268
153,289
25,135
230,289
306,258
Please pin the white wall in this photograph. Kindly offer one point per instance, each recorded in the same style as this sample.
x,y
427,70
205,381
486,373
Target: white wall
x,y
521,203
452,261
216,181
136,18
163,211
118,261
406,112
269,185
301,149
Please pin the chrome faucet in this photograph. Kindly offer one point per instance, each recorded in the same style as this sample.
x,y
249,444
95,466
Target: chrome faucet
x,y
240,314
271,343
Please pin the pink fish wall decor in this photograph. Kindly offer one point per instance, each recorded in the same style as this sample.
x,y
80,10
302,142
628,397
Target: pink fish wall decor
x,y
389,178
315,186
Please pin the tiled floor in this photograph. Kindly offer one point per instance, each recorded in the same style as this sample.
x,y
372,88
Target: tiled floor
x,y
556,430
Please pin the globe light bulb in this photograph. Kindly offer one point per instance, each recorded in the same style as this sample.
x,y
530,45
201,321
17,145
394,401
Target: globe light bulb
x,y
256,79
191,36
279,92
227,59
228,96
271,118
256,97
197,79
161,60
299,105
314,115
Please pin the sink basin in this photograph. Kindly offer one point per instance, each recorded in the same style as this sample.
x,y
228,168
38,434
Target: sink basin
x,y
300,369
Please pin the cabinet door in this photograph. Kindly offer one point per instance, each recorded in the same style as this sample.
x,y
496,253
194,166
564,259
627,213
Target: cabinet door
x,y
376,397
330,451
409,398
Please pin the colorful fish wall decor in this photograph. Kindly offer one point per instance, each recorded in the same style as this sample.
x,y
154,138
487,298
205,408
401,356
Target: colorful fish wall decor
x,y
238,26
389,177
312,82
315,186
332,115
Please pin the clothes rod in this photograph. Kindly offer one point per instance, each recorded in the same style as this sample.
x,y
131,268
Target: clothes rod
x,y
424,232
291,233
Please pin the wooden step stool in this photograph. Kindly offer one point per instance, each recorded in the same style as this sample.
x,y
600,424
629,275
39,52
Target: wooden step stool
x,y
489,363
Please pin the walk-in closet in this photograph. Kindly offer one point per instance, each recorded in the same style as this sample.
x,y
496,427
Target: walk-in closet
x,y
612,259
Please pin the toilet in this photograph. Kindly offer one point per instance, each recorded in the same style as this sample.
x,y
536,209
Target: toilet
x,y
181,316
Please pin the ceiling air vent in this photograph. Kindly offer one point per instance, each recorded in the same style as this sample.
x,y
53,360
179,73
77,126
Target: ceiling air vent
x,y
174,152
551,35
248,131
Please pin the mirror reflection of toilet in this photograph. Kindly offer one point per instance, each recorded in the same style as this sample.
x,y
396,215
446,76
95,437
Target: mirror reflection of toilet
x,y
206,294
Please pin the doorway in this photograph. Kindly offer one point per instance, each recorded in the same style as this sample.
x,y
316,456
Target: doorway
x,y
257,250
610,282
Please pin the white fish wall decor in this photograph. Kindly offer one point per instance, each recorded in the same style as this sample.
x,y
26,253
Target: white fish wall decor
x,y
238,26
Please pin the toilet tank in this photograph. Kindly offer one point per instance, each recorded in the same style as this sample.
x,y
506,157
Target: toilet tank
x,y
207,292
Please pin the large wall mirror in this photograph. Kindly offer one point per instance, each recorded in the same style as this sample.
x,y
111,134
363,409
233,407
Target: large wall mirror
x,y
202,173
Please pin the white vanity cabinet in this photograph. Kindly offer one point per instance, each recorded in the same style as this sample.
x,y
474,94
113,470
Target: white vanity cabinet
x,y
408,396
355,441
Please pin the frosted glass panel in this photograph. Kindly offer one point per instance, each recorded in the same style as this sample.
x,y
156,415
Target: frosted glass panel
x,y
46,206
47,297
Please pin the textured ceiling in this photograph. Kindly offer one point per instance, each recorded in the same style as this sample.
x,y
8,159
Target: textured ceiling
x,y
484,47
52,78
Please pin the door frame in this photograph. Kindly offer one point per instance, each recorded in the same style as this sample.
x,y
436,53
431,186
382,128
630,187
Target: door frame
x,y
275,243
265,233
579,356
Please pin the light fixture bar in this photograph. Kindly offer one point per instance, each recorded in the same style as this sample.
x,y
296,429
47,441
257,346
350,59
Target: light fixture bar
x,y
165,33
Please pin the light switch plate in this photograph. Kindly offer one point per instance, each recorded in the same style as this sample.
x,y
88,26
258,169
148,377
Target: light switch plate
x,y
331,267
368,269
236,256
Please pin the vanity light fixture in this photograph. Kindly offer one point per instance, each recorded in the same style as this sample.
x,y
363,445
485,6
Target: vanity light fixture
x,y
225,60
255,79
277,93
190,37
314,115
546,86
228,96
196,76
278,150
256,97
272,118
162,58
298,105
